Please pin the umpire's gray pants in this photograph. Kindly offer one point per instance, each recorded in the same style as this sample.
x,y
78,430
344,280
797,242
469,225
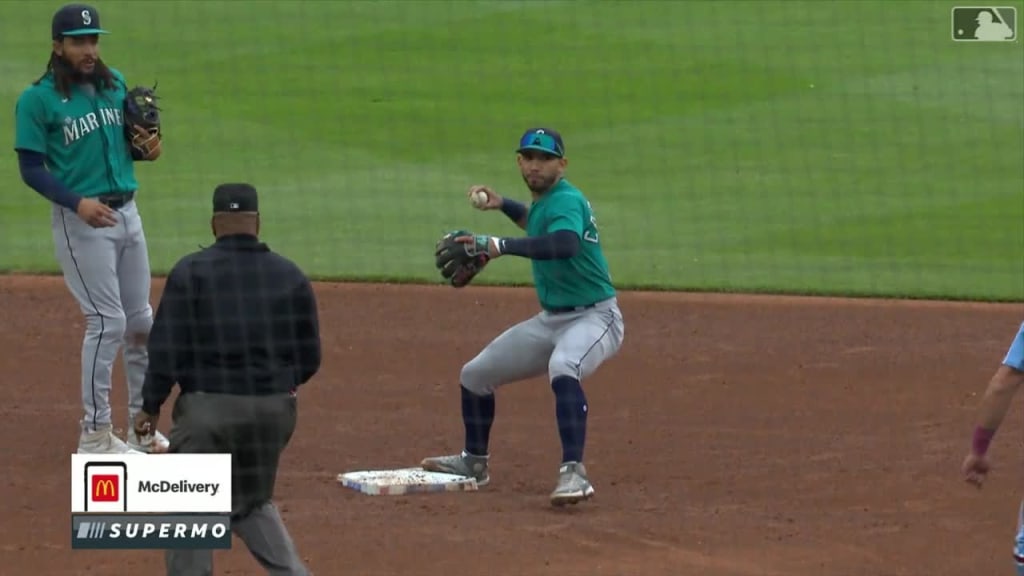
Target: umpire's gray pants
x,y
263,533
254,430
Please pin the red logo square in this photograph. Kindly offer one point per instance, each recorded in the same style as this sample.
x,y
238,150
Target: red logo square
x,y
105,488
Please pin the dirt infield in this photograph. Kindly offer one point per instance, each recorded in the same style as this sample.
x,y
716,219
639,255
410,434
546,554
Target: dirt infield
x,y
733,436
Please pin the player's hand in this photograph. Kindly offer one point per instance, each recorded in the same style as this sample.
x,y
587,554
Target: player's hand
x,y
482,243
975,469
96,214
493,198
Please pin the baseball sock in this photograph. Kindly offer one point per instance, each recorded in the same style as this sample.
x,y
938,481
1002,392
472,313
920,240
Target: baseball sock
x,y
477,415
571,411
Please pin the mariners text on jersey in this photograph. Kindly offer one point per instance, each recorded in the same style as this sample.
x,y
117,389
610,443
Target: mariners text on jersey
x,y
75,128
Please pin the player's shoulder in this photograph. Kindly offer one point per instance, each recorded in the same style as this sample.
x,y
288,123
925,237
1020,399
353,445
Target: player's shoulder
x,y
117,74
37,90
568,193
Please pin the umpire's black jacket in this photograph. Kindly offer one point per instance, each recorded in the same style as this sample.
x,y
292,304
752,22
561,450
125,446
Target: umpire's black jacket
x,y
235,318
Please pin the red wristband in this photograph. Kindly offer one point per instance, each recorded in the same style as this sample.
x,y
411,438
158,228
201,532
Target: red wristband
x,y
982,438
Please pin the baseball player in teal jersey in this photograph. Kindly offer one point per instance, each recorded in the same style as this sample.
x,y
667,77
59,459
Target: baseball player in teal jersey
x,y
994,406
578,328
73,150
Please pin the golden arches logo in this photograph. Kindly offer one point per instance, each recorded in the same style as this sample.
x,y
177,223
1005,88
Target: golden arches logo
x,y
105,488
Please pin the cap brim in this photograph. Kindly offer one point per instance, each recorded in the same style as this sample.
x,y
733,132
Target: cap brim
x,y
85,32
540,149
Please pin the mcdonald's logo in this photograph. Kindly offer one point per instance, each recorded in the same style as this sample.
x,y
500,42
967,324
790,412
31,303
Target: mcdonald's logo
x,y
105,488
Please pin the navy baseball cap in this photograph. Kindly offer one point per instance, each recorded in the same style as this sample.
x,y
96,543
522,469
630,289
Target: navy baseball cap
x,y
76,20
233,197
543,140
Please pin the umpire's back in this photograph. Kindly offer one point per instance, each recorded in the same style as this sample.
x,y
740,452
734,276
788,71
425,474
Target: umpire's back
x,y
240,319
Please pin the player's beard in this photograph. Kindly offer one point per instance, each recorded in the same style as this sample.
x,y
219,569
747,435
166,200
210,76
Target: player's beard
x,y
539,184
74,73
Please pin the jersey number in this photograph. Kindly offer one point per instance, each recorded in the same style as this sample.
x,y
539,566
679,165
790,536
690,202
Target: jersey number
x,y
591,235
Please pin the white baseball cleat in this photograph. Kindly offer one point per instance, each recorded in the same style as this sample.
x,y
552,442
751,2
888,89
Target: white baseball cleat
x,y
103,441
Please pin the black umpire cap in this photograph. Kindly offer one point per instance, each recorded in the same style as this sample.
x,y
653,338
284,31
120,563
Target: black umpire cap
x,y
235,197
76,20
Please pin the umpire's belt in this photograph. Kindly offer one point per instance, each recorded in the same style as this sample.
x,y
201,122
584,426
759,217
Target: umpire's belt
x,y
115,201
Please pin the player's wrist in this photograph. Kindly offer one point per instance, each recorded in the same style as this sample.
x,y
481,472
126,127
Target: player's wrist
x,y
981,440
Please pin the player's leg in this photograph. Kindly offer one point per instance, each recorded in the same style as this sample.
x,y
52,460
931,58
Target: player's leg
x,y
1018,548
134,280
88,259
520,352
584,342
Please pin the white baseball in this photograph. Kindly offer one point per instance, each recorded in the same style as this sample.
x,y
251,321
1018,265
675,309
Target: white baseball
x,y
479,198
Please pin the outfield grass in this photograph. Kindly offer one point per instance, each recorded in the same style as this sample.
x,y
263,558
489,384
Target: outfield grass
x,y
840,147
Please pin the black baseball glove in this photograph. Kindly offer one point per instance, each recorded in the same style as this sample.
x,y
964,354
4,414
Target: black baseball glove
x,y
142,122
459,262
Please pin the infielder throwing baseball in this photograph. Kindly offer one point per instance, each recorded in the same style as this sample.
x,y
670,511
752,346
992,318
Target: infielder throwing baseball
x,y
579,327
994,405
78,131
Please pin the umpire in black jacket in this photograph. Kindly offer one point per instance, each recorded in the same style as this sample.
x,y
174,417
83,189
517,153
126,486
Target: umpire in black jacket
x,y
237,330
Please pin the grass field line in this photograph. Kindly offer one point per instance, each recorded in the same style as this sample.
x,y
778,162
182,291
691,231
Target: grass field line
x,y
18,281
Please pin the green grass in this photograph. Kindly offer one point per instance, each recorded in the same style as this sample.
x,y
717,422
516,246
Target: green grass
x,y
694,128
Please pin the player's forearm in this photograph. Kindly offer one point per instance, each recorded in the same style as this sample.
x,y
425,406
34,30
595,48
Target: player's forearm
x,y
516,212
998,397
995,404
555,246
36,176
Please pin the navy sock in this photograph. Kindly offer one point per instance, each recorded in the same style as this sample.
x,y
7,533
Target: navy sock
x,y
571,411
477,415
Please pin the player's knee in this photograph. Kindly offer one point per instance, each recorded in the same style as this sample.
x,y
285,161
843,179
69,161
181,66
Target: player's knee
x,y
137,327
109,328
561,365
474,379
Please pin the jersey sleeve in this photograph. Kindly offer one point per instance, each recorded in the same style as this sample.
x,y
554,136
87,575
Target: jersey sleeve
x,y
30,123
567,213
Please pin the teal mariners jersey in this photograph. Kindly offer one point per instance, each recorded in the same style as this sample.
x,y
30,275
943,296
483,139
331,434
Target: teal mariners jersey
x,y
82,137
582,279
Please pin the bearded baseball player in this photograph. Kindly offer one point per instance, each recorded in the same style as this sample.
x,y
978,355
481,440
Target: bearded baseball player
x,y
579,325
79,130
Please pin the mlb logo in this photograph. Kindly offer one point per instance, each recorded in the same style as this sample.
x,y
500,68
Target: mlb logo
x,y
984,24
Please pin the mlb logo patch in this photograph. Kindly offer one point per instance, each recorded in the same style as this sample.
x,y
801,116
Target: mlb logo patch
x,y
984,24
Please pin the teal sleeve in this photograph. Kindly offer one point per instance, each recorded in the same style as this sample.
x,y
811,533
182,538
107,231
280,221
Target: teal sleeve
x,y
30,123
567,214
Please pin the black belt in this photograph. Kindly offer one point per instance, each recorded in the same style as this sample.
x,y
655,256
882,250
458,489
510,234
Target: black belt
x,y
115,201
568,309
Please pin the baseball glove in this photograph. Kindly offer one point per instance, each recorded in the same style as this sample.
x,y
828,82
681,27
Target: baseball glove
x,y
142,121
459,262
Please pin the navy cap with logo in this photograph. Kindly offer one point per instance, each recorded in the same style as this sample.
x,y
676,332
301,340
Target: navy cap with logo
x,y
76,20
543,140
235,197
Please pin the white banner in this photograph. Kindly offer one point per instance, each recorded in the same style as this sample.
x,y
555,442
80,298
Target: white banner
x,y
150,483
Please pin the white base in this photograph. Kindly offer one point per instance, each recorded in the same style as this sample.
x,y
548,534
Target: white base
x,y
405,481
